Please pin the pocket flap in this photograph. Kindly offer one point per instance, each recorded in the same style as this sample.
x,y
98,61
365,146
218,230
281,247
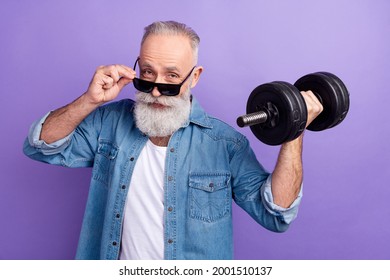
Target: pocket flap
x,y
107,149
209,181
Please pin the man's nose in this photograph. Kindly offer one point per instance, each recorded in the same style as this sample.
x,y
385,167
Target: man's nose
x,y
155,92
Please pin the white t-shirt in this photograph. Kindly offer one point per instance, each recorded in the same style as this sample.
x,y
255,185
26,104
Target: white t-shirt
x,y
143,231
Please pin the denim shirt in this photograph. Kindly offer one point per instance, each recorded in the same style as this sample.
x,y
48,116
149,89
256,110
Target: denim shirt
x,y
208,164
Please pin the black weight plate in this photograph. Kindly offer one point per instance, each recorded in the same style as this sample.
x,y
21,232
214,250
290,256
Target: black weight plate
x,y
290,107
331,96
344,97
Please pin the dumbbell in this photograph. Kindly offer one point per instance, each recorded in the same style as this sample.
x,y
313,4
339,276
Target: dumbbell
x,y
277,113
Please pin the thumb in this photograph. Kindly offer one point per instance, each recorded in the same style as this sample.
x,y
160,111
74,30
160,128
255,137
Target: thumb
x,y
123,82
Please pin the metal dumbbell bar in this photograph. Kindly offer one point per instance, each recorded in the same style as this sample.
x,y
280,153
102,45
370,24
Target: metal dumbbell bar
x,y
277,113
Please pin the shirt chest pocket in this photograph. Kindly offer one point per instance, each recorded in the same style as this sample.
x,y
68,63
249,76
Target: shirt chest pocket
x,y
106,154
209,195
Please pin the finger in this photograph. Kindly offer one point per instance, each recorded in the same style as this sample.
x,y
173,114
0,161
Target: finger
x,y
310,96
312,102
123,82
106,82
117,71
110,71
313,105
126,72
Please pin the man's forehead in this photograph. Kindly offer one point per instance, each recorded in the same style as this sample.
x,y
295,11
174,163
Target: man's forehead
x,y
170,49
178,39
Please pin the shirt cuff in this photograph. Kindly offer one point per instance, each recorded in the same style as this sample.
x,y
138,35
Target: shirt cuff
x,y
287,214
46,149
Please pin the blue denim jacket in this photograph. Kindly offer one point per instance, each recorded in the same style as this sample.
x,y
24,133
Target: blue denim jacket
x,y
208,164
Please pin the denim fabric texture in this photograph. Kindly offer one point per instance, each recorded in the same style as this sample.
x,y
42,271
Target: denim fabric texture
x,y
208,165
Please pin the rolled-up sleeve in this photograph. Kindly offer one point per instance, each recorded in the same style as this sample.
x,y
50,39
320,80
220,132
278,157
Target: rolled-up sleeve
x,y
74,150
286,214
46,149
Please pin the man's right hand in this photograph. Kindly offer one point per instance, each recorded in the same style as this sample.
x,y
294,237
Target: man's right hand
x,y
107,82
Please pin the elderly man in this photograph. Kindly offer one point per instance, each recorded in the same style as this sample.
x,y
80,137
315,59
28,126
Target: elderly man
x,y
164,172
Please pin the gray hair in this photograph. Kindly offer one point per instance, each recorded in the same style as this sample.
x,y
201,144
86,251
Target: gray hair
x,y
173,28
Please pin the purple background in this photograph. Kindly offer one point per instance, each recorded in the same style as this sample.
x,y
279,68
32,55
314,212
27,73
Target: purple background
x,y
50,49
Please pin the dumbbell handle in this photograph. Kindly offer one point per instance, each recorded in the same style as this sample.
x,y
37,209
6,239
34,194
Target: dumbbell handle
x,y
252,119
260,116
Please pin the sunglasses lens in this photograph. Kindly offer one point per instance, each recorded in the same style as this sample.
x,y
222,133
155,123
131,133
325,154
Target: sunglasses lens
x,y
167,89
164,89
143,86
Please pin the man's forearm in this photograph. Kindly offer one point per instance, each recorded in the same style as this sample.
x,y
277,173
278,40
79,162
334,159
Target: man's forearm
x,y
64,120
105,86
288,173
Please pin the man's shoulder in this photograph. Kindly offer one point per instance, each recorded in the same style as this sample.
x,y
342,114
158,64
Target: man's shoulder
x,y
213,126
223,130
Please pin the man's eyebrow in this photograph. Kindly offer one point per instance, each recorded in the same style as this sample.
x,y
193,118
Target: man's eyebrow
x,y
172,68
146,64
168,68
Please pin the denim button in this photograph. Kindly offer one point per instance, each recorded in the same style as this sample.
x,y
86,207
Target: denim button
x,y
118,215
132,159
123,187
170,178
172,150
114,243
211,185
170,241
170,208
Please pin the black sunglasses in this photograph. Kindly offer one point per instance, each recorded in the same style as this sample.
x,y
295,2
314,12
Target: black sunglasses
x,y
164,89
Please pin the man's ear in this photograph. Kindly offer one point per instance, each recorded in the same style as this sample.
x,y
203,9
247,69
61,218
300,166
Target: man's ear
x,y
198,70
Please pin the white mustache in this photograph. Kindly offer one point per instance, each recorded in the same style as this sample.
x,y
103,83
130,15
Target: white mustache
x,y
169,101
149,99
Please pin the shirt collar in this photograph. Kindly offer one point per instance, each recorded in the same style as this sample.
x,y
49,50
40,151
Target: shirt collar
x,y
198,115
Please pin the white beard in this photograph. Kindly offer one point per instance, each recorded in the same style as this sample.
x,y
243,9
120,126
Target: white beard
x,y
160,122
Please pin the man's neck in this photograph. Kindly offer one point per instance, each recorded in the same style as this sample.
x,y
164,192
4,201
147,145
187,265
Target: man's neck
x,y
160,141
